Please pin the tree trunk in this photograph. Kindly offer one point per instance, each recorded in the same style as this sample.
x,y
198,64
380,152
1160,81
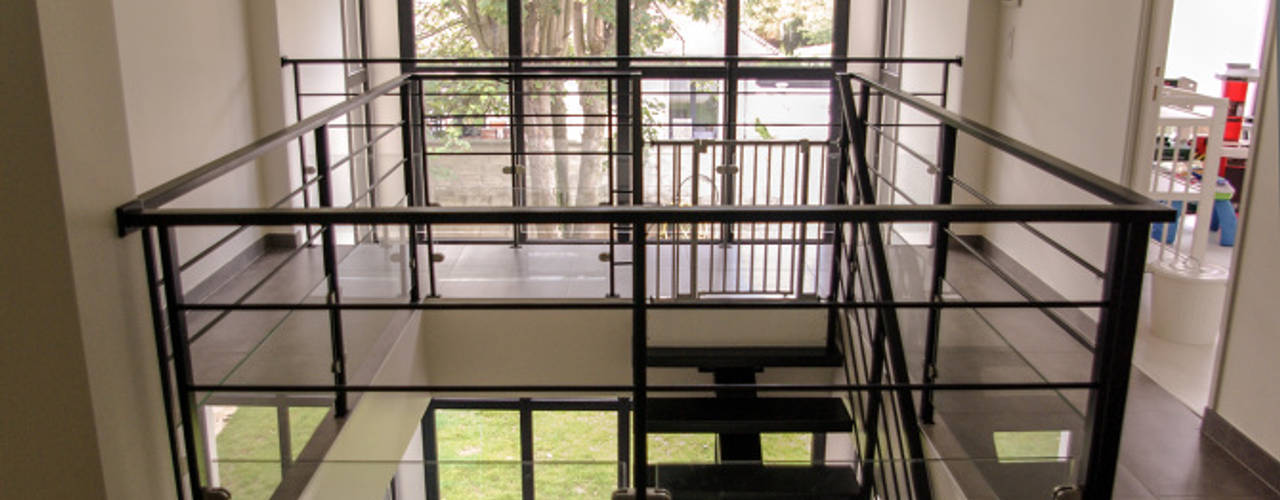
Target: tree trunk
x,y
540,170
591,167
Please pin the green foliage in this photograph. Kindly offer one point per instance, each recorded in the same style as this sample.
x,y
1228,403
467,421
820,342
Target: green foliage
x,y
789,24
762,130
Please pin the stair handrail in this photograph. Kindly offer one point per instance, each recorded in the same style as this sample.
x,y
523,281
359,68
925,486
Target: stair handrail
x,y
888,335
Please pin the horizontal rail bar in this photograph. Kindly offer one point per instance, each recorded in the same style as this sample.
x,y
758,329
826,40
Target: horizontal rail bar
x,y
1076,176
390,171
1008,279
508,59
746,142
464,303
192,180
999,386
931,167
361,150
643,214
1035,232
566,73
195,259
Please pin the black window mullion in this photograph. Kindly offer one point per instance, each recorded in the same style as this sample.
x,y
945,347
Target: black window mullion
x,y
624,440
430,455
526,449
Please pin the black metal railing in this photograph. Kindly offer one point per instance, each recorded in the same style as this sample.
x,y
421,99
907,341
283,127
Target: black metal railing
x,y
859,300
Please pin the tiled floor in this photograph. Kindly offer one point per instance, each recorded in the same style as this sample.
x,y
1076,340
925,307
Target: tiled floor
x,y
1163,454
1185,370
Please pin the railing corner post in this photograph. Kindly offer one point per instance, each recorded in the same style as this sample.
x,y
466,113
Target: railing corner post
x,y
1113,352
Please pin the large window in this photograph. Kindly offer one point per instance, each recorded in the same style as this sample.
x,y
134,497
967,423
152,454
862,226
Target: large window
x,y
460,28
562,142
556,449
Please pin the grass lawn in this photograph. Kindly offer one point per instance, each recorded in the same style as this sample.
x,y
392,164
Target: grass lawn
x,y
1028,446
249,448
575,452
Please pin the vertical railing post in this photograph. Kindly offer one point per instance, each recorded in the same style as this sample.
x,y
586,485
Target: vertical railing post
x,y
425,179
173,298
805,158
302,143
610,107
941,196
837,245
409,145
639,360
639,311
330,249
698,147
1117,323
162,353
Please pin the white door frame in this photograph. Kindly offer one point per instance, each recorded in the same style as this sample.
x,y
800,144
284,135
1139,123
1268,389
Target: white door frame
x,y
1157,19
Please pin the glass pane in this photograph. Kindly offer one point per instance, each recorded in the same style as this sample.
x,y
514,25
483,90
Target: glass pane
x,y
682,448
675,28
468,443
452,28
575,454
569,158
800,28
480,481
683,109
791,448
303,421
1032,446
247,453
784,109
580,28
469,150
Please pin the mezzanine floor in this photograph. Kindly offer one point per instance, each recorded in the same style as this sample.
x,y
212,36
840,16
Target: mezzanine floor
x,y
1163,453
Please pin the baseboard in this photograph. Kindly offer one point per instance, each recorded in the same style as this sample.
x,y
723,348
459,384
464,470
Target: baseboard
x,y
1245,451
267,243
282,241
1033,284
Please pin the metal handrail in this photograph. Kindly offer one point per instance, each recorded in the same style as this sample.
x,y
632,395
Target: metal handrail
x,y
206,173
139,217
1079,177
587,59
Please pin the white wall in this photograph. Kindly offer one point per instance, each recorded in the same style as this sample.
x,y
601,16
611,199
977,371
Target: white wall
x,y
85,418
1064,82
1246,393
48,427
189,99
947,28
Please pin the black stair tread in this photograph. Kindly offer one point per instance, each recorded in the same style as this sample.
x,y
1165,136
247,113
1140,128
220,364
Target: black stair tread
x,y
748,415
743,481
733,357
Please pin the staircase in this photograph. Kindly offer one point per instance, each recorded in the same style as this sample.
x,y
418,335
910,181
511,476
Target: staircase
x,y
739,416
